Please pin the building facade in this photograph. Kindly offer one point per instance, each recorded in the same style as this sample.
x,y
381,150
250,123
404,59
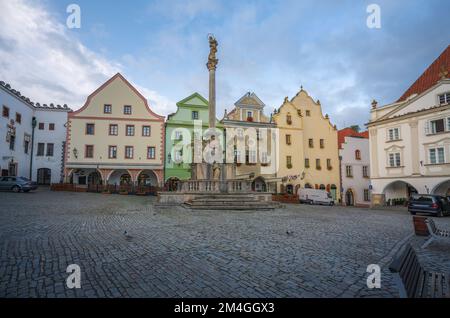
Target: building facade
x,y
308,155
115,139
180,136
354,159
34,137
253,152
410,139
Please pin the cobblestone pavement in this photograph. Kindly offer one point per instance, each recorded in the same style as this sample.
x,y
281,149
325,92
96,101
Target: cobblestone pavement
x,y
180,253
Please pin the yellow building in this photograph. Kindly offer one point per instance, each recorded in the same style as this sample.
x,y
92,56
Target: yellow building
x,y
251,142
308,148
115,139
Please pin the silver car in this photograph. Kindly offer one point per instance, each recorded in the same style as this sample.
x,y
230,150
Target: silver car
x,y
17,184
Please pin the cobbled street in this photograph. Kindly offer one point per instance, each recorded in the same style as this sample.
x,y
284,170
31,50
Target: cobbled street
x,y
174,252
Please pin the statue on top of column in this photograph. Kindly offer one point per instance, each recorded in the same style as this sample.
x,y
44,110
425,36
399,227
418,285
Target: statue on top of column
x,y
212,60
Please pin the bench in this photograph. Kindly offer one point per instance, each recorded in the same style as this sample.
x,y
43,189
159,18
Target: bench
x,y
435,233
415,282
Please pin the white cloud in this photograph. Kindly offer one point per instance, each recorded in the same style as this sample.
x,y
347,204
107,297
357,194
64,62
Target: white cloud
x,y
42,59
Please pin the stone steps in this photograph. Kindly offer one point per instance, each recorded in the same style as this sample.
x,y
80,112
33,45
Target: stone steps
x,y
241,207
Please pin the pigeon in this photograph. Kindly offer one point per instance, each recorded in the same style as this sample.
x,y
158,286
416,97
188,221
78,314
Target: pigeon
x,y
289,232
127,236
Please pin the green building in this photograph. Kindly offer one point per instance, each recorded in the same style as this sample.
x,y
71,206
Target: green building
x,y
180,131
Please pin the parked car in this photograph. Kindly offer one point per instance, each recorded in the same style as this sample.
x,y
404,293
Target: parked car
x,y
429,203
17,184
314,196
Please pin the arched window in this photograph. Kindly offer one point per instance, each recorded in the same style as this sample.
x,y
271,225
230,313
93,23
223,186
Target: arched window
x,y
357,154
308,186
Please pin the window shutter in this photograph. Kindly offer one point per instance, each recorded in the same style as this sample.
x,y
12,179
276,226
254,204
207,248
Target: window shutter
x,y
427,128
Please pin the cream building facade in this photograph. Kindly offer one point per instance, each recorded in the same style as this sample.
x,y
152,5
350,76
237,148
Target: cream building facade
x,y
308,155
115,139
253,153
410,139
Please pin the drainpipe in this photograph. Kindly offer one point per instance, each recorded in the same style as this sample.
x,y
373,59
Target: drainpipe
x,y
33,125
164,157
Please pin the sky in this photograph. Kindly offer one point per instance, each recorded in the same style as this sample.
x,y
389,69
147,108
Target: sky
x,y
268,47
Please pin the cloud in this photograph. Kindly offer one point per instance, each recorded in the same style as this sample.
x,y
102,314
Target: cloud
x,y
47,63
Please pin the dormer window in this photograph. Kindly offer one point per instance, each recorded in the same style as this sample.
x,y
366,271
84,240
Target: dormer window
x,y
357,154
444,99
249,116
127,110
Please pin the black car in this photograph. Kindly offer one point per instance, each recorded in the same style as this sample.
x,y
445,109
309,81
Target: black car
x,y
429,203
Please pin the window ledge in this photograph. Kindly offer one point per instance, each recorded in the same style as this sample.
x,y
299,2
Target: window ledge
x,y
394,140
436,164
438,133
395,167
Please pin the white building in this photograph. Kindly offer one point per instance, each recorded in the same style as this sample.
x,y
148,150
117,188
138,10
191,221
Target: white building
x,y
410,139
355,164
16,134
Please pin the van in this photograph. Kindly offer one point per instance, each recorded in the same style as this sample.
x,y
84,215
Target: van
x,y
314,196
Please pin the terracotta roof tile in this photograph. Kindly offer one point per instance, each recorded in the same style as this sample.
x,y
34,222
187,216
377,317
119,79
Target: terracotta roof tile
x,y
431,75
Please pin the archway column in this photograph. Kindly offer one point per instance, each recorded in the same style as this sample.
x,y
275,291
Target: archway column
x,y
67,173
105,174
134,173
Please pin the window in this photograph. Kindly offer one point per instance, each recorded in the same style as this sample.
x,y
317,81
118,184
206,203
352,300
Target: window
x,y
349,171
437,126
129,152
308,113
393,134
437,155
444,99
127,110
107,109
288,139
50,150
264,159
145,131
90,129
289,162
366,195
26,143
252,156
18,118
89,151
12,141
394,159
249,116
178,156
306,163
113,129
318,166
289,119
365,171
112,152
357,154
322,143
41,126
329,166
5,112
130,130
51,126
311,143
40,149
194,114
178,135
151,152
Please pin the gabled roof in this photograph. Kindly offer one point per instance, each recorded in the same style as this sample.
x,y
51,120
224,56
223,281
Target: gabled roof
x,y
435,72
187,100
349,132
120,76
249,99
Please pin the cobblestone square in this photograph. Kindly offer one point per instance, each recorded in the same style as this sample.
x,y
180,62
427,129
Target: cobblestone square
x,y
181,253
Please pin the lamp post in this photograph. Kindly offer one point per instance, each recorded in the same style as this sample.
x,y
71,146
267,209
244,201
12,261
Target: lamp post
x,y
33,126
